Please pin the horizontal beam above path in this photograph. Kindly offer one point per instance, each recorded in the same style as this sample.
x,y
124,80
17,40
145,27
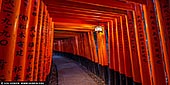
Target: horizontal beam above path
x,y
65,10
114,6
107,3
72,29
73,21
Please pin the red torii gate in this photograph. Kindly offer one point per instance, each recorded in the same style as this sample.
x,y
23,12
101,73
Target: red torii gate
x,y
26,38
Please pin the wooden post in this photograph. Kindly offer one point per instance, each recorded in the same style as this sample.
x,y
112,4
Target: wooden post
x,y
111,26
9,18
45,46
110,41
31,41
77,45
133,48
100,54
157,66
38,39
115,51
86,46
0,4
94,48
126,52
96,60
103,60
21,41
42,47
50,38
163,12
141,46
90,46
120,50
51,43
92,67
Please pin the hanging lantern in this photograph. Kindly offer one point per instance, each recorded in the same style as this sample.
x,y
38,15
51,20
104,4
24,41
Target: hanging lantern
x,y
98,28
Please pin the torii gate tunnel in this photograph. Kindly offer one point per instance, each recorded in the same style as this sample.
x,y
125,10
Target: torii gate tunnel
x,y
132,48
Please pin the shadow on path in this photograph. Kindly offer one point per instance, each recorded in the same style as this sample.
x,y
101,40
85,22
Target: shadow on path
x,y
70,73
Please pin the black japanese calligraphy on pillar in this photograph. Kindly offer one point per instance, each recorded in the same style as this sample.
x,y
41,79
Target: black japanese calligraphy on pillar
x,y
165,10
20,45
46,46
8,18
42,41
155,37
141,35
116,61
152,30
120,45
38,39
141,46
17,75
7,11
133,48
128,69
31,43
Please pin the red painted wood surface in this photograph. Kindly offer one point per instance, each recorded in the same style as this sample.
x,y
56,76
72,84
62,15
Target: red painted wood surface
x,y
21,41
115,52
94,48
38,41
110,43
163,12
8,33
46,47
120,45
108,3
141,46
42,50
126,50
0,4
31,41
157,66
91,47
133,48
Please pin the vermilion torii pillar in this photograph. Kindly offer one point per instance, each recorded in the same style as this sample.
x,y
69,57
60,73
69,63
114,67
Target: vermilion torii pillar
x,y
8,32
38,39
133,48
0,4
51,43
50,38
46,47
163,12
110,43
141,46
120,50
86,50
77,45
90,46
110,50
31,41
96,60
92,51
81,46
21,41
42,46
115,55
126,52
158,73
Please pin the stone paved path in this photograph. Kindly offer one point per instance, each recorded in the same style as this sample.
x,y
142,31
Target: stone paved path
x,y
70,73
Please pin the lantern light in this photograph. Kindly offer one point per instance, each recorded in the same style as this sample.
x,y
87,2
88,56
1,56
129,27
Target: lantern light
x,y
98,28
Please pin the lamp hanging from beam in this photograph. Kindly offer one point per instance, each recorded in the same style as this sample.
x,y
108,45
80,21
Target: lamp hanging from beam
x,y
98,28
